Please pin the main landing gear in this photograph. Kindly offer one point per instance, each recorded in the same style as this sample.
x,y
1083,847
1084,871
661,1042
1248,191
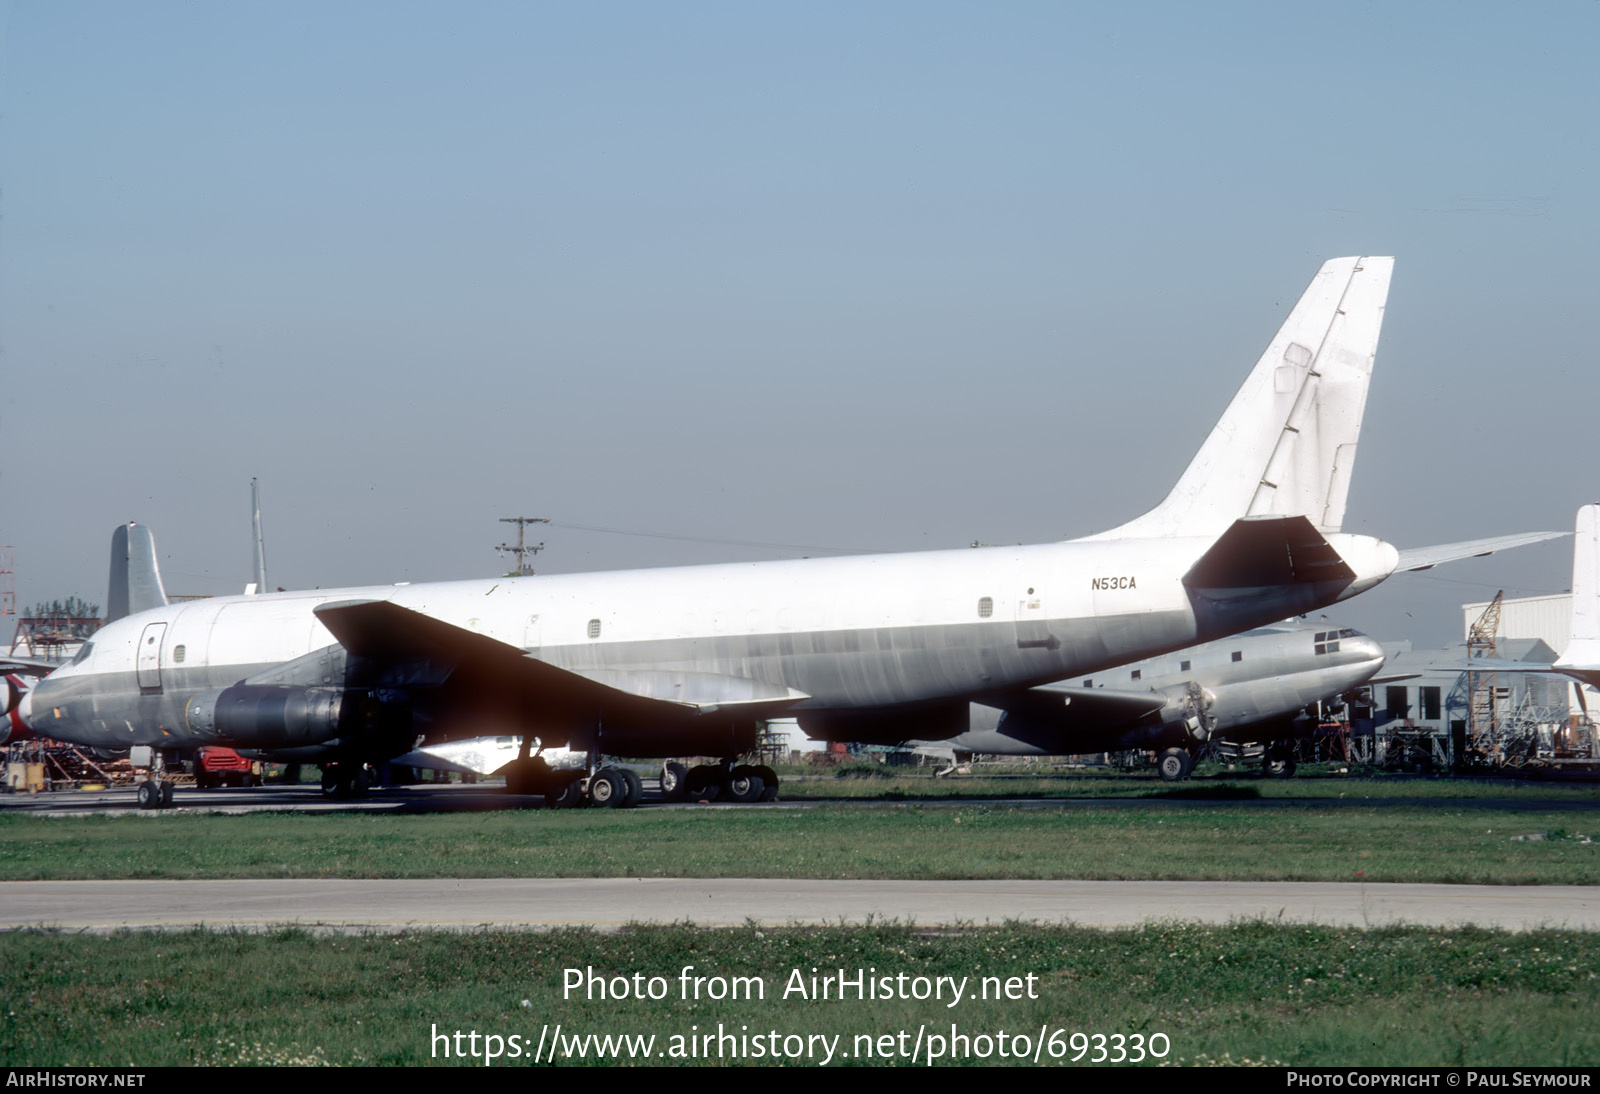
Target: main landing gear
x,y
345,780
719,782
617,787
570,788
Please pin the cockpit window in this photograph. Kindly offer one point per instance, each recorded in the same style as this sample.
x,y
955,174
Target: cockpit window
x,y
82,654
1328,641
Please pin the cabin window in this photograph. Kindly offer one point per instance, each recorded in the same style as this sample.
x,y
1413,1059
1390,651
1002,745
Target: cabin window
x,y
1136,674
1088,683
1238,655
594,628
179,653
1183,666
985,607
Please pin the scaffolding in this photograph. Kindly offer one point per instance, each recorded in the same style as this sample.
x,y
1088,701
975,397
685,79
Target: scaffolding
x,y
1483,688
54,635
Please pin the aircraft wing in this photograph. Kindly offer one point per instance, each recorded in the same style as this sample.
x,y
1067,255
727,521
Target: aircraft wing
x,y
1067,706
398,647
1423,558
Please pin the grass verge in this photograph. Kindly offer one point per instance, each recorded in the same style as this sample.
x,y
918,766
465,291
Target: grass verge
x,y
1248,993
1464,842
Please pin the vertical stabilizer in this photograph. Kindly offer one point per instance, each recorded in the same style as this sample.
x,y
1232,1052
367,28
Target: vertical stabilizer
x,y
1581,658
135,583
1287,442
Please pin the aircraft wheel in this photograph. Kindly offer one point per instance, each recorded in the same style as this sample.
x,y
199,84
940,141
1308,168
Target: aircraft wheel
x,y
702,783
338,781
674,784
149,795
530,776
608,788
164,801
769,780
1277,764
569,795
635,788
1175,764
744,785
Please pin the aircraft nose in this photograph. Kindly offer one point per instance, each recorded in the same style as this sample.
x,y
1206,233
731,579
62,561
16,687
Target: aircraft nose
x,y
1368,649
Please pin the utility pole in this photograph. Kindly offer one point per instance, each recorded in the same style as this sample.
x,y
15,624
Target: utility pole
x,y
524,553
261,544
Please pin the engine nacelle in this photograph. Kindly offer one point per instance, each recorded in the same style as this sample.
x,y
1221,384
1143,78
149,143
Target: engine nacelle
x,y
13,724
268,716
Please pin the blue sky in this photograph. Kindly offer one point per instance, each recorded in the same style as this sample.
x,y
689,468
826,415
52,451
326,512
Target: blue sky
x,y
887,276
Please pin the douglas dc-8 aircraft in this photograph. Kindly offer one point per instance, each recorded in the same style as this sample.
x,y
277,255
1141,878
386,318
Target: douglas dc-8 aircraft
x,y
685,661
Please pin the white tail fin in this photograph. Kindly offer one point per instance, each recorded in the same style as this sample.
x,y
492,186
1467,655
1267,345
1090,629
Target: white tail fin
x,y
1287,443
135,584
1581,658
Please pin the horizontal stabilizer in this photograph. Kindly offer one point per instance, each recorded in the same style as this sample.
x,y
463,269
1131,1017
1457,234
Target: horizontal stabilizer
x,y
1423,558
29,666
1263,551
1581,661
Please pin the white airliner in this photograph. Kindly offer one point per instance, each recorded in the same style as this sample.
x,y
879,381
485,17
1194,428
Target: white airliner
x,y
672,662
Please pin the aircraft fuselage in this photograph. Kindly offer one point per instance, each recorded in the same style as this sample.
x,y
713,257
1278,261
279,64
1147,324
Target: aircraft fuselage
x,y
850,634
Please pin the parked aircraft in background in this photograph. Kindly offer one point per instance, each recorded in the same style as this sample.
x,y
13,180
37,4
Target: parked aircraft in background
x,y
1251,687
1581,658
686,661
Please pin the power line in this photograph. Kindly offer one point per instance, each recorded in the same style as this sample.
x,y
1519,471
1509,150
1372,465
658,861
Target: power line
x,y
710,539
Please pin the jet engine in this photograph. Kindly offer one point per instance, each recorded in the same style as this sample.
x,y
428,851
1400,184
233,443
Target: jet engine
x,y
281,716
266,716
12,725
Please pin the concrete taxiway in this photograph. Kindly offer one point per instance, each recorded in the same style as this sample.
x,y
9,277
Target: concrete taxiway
x,y
615,902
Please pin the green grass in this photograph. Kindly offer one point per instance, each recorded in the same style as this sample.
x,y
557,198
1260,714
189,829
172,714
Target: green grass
x,y
863,781
1468,842
1254,992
